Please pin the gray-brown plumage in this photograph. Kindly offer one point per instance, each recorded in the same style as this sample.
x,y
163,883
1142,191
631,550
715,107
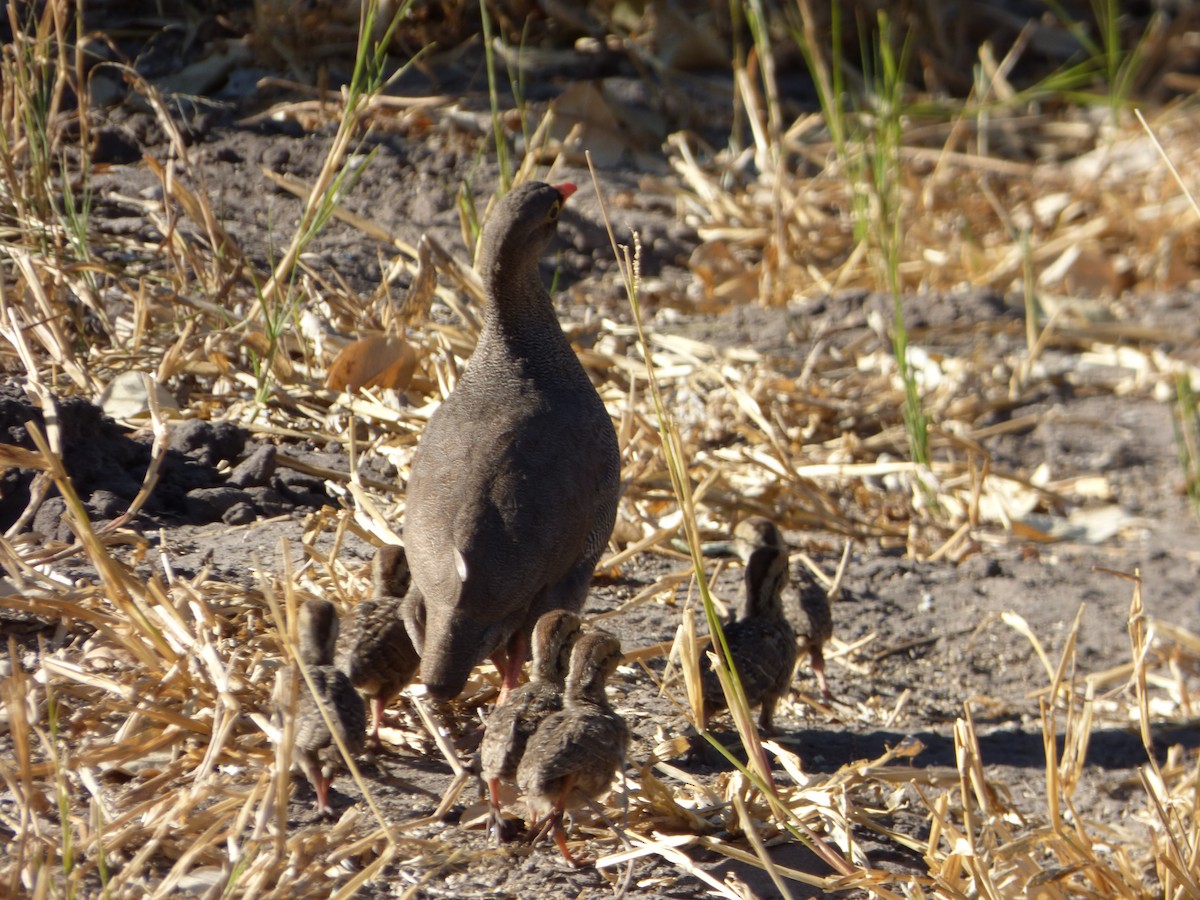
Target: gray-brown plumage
x,y
509,726
754,532
514,484
812,620
806,607
314,750
761,642
374,649
575,752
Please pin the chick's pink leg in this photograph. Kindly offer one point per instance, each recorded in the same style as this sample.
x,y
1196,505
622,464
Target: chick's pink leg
x,y
818,664
495,818
376,717
321,784
560,838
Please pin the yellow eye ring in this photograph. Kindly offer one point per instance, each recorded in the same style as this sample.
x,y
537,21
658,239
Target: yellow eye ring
x,y
554,211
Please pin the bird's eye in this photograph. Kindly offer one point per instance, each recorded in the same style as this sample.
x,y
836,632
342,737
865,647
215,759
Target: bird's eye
x,y
552,215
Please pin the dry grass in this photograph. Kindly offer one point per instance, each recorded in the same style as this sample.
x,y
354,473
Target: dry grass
x,y
140,759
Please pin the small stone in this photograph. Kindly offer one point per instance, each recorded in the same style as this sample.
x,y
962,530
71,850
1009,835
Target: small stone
x,y
298,481
240,514
228,441
106,505
211,504
269,501
256,469
276,158
48,521
193,437
206,442
300,489
114,147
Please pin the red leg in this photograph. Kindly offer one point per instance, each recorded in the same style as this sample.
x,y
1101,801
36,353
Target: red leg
x,y
500,661
560,838
495,817
818,664
321,785
556,822
509,662
376,717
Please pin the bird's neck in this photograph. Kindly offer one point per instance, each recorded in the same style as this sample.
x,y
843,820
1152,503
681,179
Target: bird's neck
x,y
588,691
521,320
517,278
764,594
543,672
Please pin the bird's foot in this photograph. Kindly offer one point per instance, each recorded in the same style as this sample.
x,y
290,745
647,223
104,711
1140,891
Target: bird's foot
x,y
373,744
324,809
560,838
504,831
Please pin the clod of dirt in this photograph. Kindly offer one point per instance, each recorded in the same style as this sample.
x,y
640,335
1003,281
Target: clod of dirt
x,y
107,467
207,442
256,469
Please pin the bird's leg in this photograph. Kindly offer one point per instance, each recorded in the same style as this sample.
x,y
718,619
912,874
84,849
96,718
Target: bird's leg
x,y
312,771
537,828
495,818
501,662
818,664
560,838
766,715
509,662
373,741
321,783
555,821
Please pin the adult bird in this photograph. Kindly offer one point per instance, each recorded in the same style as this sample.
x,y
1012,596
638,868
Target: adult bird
x,y
514,484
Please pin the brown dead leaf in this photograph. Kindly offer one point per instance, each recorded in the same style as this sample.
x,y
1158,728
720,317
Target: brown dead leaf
x,y
584,120
684,43
380,360
727,281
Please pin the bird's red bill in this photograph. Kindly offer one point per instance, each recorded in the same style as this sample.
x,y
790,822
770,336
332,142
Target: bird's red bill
x,y
566,189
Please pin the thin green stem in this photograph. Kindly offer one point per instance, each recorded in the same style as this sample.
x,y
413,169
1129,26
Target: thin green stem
x,y
502,156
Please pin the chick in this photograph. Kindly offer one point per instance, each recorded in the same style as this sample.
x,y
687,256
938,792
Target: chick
x,y
575,752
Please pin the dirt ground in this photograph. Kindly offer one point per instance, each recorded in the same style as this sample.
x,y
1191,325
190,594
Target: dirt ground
x,y
916,643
